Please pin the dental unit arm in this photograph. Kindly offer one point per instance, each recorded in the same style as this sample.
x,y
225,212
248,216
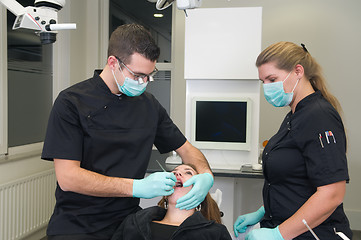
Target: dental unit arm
x,y
43,18
181,4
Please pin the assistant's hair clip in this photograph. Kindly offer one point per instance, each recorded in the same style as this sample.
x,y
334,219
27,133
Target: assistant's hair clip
x,y
304,47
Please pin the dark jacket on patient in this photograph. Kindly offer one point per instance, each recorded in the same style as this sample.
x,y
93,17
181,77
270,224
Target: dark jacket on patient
x,y
137,226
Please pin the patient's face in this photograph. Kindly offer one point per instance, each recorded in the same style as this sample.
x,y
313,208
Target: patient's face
x,y
182,173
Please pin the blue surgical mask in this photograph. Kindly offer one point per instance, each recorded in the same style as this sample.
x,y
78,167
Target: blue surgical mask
x,y
130,87
276,95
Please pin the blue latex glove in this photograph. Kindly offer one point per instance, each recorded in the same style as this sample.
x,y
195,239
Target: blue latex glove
x,y
201,185
264,233
155,185
243,221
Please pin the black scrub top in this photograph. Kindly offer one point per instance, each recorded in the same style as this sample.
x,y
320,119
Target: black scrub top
x,y
111,135
307,152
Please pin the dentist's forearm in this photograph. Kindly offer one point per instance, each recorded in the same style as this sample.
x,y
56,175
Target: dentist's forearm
x,y
71,177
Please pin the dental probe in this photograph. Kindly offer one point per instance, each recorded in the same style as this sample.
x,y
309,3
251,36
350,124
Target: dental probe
x,y
313,233
160,165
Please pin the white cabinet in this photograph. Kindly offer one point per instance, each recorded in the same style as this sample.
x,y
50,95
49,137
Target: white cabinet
x,y
222,43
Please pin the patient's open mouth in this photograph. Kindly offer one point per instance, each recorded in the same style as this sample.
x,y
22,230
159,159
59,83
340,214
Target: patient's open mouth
x,y
178,184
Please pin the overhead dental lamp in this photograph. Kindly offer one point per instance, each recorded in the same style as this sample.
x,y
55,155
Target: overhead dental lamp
x,y
181,4
43,18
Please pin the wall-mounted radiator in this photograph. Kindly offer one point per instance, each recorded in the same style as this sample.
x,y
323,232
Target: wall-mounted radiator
x,y
26,205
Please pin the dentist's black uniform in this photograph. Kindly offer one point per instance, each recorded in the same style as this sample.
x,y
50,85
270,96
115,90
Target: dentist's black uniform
x,y
111,135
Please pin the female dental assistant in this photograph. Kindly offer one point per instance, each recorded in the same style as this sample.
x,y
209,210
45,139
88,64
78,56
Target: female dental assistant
x,y
304,163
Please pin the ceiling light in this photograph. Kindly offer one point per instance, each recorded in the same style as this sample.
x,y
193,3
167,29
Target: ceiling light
x,y
158,15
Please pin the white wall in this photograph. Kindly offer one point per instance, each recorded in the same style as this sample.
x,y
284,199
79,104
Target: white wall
x,y
88,44
22,167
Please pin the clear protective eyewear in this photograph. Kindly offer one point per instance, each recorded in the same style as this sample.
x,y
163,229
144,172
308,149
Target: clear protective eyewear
x,y
141,78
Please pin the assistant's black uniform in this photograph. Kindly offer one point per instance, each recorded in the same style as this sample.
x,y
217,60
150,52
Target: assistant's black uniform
x,y
111,135
308,151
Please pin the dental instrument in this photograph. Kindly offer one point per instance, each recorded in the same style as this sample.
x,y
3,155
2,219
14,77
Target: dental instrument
x,y
160,165
313,233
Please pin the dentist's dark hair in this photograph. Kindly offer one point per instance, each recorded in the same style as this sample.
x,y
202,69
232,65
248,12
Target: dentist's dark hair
x,y
132,38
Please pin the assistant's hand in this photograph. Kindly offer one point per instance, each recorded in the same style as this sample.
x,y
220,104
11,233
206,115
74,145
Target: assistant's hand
x,y
264,233
243,221
201,185
156,184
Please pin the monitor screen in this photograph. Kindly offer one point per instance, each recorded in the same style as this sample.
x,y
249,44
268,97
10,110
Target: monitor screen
x,y
221,123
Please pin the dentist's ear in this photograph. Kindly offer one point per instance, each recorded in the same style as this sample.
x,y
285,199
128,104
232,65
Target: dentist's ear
x,y
113,62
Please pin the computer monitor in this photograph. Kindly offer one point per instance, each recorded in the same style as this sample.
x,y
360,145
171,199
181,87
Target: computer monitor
x,y
221,123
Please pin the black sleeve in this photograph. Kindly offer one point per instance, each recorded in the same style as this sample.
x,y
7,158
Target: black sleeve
x,y
168,136
64,135
324,147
